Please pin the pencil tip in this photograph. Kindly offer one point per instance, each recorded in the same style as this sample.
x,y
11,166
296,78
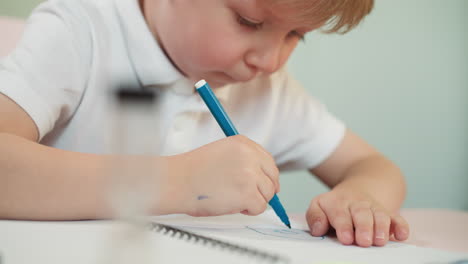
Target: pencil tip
x,y
288,225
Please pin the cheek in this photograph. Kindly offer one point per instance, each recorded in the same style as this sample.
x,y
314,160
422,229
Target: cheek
x,y
286,52
215,51
219,52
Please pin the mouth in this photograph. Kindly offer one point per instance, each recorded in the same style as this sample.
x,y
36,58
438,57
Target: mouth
x,y
218,79
224,77
234,79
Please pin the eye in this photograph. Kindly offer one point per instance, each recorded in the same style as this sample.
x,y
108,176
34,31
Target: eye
x,y
248,23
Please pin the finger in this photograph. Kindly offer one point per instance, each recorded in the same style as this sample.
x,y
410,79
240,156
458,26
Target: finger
x,y
340,218
317,219
363,221
399,227
266,187
381,227
256,204
271,170
268,164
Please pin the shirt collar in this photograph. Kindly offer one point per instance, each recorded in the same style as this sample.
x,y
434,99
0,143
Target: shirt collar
x,y
150,63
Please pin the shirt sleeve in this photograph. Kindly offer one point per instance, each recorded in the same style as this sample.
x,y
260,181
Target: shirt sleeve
x,y
308,133
46,73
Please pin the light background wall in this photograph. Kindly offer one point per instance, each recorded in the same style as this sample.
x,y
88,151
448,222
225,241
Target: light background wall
x,y
400,80
17,8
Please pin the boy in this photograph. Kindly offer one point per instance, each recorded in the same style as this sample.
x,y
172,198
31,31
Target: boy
x,y
56,113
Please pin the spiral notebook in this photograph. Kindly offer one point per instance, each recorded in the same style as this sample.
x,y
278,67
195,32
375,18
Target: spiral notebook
x,y
264,239
237,238
181,239
227,252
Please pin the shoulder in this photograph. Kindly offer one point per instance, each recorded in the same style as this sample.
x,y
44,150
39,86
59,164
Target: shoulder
x,y
75,7
79,16
76,24
65,10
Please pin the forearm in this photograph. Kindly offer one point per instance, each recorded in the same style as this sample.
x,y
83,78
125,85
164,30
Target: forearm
x,y
377,177
43,183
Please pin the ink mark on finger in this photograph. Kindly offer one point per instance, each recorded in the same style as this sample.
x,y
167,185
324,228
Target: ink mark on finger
x,y
202,197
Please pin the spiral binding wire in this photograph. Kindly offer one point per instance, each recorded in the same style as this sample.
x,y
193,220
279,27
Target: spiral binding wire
x,y
196,238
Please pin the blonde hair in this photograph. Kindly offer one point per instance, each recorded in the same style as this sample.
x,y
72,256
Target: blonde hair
x,y
333,16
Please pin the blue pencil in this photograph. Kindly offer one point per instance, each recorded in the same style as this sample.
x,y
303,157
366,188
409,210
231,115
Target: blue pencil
x,y
229,130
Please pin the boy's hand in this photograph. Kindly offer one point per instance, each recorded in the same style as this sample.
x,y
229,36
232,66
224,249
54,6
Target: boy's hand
x,y
231,175
356,218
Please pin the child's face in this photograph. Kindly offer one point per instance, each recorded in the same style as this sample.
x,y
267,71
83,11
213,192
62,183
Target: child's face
x,y
224,41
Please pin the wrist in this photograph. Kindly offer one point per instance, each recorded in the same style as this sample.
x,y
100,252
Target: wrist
x,y
170,185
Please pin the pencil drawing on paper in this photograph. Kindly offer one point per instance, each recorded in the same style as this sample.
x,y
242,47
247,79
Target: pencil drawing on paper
x,y
297,234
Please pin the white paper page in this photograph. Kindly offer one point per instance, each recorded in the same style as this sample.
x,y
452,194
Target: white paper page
x,y
102,242
266,226
267,232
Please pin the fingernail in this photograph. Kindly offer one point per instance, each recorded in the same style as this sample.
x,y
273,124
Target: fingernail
x,y
367,236
316,227
347,236
402,233
380,235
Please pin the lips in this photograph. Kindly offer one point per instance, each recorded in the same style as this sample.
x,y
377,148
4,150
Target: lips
x,y
225,78
241,78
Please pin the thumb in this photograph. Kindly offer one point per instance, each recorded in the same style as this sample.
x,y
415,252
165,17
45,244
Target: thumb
x,y
317,219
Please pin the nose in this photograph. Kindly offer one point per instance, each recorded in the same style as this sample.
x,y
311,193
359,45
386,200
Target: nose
x,y
265,57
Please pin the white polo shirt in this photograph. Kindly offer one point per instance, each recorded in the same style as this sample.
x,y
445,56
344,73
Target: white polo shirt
x,y
74,53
